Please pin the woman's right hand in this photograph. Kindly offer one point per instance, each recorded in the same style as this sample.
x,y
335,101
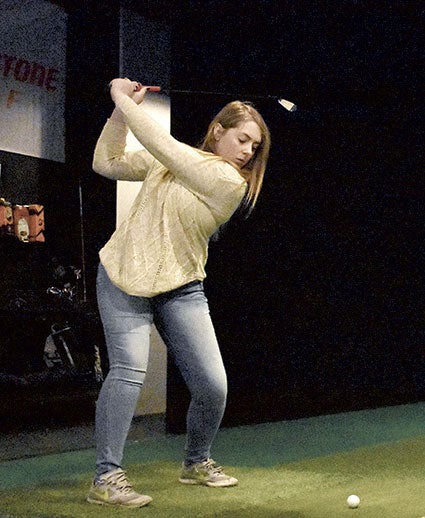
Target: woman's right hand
x,y
124,86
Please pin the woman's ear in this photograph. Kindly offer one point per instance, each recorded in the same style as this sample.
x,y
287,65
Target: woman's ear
x,y
218,131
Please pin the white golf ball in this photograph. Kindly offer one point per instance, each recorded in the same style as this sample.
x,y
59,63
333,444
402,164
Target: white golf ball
x,y
353,501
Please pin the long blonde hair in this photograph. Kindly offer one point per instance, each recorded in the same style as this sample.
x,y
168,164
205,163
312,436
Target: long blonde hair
x,y
229,117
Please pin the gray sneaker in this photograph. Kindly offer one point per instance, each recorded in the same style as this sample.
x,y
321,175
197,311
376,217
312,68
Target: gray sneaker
x,y
113,488
206,473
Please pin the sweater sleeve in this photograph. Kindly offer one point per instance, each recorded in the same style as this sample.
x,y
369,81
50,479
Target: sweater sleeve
x,y
112,161
202,173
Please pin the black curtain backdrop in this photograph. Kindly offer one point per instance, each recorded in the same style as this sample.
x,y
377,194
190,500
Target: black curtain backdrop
x,y
317,298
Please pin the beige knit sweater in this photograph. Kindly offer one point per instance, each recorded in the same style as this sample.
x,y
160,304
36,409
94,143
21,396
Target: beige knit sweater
x,y
185,196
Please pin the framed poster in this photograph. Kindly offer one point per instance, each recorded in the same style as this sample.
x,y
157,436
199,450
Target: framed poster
x,y
32,79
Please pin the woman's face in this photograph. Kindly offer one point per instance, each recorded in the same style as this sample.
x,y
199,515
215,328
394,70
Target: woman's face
x,y
237,144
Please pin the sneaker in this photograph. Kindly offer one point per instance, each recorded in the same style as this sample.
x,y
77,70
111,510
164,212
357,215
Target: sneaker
x,y
113,488
206,473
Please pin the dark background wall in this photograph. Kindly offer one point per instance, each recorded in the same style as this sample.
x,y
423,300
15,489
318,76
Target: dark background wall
x,y
317,297
92,59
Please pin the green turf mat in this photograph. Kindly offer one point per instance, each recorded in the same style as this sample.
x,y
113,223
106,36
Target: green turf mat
x,y
287,441
260,445
294,469
389,479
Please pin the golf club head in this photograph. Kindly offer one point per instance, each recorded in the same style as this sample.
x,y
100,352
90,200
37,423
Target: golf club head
x,y
291,107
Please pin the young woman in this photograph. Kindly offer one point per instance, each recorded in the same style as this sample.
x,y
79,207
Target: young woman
x,y
151,271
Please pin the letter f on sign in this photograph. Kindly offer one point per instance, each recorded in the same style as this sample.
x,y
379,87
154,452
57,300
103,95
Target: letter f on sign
x,y
12,98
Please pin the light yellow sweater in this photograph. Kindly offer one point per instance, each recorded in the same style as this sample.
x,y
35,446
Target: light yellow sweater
x,y
185,196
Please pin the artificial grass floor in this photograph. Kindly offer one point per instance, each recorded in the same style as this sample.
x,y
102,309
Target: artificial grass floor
x,y
294,469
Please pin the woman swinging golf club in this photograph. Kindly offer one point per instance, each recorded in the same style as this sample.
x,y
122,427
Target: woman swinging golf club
x,y
151,271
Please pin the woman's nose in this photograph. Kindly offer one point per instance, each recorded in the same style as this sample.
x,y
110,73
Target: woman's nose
x,y
248,149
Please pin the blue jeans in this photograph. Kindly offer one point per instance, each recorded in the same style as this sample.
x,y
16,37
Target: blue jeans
x,y
183,320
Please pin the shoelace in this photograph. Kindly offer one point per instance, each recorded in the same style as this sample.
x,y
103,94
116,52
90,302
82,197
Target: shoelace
x,y
211,466
121,481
